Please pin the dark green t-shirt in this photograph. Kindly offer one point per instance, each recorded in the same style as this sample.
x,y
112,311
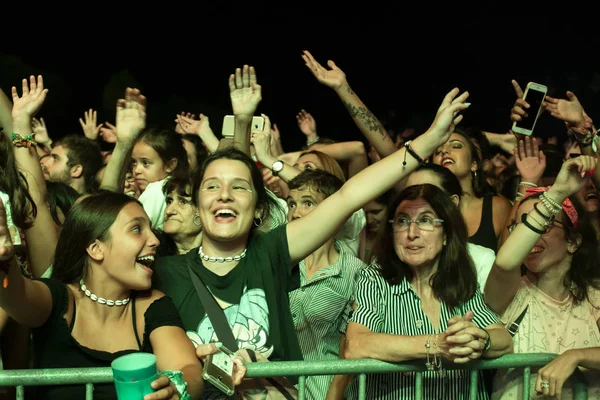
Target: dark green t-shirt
x,y
254,294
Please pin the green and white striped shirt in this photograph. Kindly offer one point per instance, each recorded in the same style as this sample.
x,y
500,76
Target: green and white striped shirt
x,y
396,309
320,308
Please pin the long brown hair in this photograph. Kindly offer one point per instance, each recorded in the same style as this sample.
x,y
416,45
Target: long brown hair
x,y
14,184
455,281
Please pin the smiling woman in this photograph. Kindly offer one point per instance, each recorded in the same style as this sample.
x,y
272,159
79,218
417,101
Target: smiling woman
x,y
100,288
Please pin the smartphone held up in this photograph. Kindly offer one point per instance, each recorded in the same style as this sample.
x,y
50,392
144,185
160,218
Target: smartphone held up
x,y
534,95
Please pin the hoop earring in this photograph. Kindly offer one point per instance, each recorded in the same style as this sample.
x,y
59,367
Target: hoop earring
x,y
197,222
259,223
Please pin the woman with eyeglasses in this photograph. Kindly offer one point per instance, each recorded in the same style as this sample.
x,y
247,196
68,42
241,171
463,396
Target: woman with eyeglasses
x,y
421,301
545,284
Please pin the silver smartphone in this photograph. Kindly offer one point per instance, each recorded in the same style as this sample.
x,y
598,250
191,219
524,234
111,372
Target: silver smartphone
x,y
258,124
535,94
218,370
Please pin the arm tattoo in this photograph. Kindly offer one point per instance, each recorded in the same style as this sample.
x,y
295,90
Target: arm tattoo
x,y
366,117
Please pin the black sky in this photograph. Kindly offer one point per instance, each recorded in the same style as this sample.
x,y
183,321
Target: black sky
x,y
400,64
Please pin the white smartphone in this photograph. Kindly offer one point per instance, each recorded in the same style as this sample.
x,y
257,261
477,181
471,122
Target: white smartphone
x,y
258,123
218,370
535,94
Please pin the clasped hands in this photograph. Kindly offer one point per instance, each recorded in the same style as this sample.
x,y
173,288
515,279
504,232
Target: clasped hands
x,y
462,341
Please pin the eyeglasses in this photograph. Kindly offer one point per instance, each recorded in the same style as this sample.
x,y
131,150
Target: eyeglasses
x,y
423,223
547,229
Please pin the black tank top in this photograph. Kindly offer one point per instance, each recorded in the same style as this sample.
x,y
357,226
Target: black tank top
x,y
485,235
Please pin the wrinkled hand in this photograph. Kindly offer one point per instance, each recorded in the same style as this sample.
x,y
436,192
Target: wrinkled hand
x,y
556,374
178,119
90,129
569,110
334,78
530,160
574,174
244,91
108,133
261,140
40,130
131,115
239,370
306,123
447,116
163,389
7,249
464,339
31,100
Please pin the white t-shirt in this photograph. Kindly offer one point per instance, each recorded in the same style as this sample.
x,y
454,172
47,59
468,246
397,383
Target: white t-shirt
x,y
155,203
483,259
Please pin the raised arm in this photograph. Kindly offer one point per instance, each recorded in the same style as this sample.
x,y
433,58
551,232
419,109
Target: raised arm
x,y
503,281
131,119
245,93
371,182
364,119
26,301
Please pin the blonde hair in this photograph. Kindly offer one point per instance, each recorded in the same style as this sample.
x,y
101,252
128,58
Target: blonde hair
x,y
329,163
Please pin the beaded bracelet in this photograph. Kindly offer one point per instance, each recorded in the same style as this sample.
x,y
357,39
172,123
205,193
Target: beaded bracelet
x,y
23,141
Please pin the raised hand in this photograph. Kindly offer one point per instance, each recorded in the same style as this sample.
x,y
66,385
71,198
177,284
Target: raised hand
x,y
568,110
335,78
530,160
306,123
131,115
261,140
574,174
90,129
31,100
178,128
244,91
40,130
448,116
108,132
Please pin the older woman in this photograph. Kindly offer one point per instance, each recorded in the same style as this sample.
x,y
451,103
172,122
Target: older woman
x,y
406,305
98,305
553,304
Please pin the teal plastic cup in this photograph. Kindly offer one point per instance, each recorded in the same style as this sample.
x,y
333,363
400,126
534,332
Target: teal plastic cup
x,y
134,367
135,390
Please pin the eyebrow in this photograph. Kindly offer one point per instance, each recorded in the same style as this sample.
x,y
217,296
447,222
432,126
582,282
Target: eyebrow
x,y
137,219
456,140
214,178
419,215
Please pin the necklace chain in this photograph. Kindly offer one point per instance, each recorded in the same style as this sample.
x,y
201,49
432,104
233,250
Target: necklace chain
x,y
101,300
221,259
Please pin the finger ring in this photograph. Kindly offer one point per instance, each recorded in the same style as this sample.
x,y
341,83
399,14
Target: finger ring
x,y
545,385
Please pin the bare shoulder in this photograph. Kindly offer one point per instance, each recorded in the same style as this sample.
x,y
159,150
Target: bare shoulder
x,y
147,297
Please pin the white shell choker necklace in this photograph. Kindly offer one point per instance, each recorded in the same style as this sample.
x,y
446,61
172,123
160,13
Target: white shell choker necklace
x,y
101,300
221,259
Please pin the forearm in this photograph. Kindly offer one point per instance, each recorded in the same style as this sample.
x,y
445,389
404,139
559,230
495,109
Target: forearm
x,y
588,358
338,387
386,347
210,140
366,121
286,174
501,343
195,383
116,169
241,134
384,174
29,163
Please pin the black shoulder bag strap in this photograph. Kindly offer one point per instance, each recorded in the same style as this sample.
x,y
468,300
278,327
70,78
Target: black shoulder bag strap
x,y
214,311
221,326
514,327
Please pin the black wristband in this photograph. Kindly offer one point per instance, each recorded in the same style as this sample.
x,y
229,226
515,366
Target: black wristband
x,y
533,228
412,153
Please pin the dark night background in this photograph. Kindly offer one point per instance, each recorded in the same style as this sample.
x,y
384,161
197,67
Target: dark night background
x,y
401,64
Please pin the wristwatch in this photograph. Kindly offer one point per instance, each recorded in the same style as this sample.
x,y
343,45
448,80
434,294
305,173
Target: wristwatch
x,y
277,167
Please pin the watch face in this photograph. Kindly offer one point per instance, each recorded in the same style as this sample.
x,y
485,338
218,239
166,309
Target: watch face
x,y
277,166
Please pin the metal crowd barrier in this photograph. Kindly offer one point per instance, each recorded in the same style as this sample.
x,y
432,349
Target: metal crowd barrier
x,y
302,369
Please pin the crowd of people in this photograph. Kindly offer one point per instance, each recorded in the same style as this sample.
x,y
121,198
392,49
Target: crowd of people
x,y
445,246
